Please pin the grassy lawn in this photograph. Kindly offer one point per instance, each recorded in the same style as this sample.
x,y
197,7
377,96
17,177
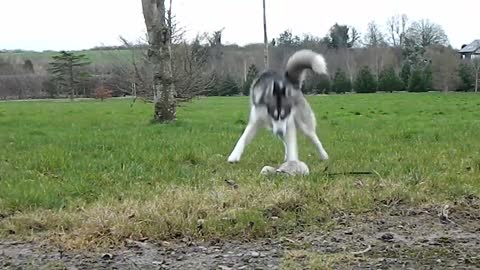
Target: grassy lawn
x,y
89,174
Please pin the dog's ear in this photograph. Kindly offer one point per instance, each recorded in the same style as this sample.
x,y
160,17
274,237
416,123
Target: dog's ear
x,y
258,93
288,90
271,88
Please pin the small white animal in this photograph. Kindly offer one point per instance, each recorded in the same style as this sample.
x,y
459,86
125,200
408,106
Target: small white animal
x,y
290,168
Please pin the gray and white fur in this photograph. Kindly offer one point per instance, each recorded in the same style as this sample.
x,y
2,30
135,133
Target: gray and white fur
x,y
277,103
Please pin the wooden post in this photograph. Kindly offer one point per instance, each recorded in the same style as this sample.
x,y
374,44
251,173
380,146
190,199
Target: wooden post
x,y
265,38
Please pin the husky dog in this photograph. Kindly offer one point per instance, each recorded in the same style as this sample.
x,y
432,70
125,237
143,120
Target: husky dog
x,y
277,103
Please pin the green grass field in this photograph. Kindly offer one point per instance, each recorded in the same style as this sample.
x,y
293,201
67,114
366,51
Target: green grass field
x,y
91,173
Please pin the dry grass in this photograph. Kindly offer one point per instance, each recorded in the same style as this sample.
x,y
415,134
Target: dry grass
x,y
254,210
301,259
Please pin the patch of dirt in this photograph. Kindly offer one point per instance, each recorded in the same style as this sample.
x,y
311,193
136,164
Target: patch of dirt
x,y
444,237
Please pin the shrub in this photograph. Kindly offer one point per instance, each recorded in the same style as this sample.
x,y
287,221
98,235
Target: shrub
x,y
316,83
405,74
251,75
365,82
226,86
389,81
103,93
420,79
341,83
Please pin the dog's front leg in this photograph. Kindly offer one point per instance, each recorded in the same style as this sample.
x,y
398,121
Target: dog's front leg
x,y
312,136
310,133
244,140
286,150
291,141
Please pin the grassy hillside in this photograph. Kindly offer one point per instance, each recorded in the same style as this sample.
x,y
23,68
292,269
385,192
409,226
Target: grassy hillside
x,y
96,56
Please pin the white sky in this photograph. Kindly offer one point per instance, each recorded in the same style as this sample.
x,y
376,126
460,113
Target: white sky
x,y
71,25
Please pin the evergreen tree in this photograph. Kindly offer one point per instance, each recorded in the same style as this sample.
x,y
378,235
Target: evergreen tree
x,y
405,74
421,78
341,83
251,75
427,77
341,36
416,81
324,85
365,82
287,39
226,86
466,74
316,83
389,81
65,71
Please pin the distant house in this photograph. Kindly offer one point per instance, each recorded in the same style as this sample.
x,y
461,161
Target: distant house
x,y
471,50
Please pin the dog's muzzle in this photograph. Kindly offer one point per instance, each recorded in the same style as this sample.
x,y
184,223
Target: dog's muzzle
x,y
279,127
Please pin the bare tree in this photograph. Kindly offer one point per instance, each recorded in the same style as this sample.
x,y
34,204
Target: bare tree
x,y
134,76
476,67
265,38
216,52
425,33
351,64
397,27
375,42
170,33
192,76
347,56
354,36
159,39
445,63
374,36
191,73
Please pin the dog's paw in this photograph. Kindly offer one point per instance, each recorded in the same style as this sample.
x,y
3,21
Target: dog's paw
x,y
323,155
233,159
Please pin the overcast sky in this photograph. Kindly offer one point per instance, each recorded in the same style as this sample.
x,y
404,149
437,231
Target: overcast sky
x,y
71,25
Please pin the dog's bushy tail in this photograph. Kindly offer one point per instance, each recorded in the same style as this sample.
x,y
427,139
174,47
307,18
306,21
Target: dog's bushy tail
x,y
303,60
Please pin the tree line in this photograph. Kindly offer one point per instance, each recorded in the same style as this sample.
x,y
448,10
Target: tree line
x,y
407,56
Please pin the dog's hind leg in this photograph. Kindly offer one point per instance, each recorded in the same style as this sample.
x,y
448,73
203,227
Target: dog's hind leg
x,y
245,139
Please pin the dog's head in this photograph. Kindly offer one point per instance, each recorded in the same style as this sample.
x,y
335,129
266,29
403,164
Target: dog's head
x,y
279,103
277,93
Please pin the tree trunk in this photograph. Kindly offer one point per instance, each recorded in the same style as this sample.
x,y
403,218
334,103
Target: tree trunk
x,y
170,52
476,81
244,70
159,38
265,38
71,81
